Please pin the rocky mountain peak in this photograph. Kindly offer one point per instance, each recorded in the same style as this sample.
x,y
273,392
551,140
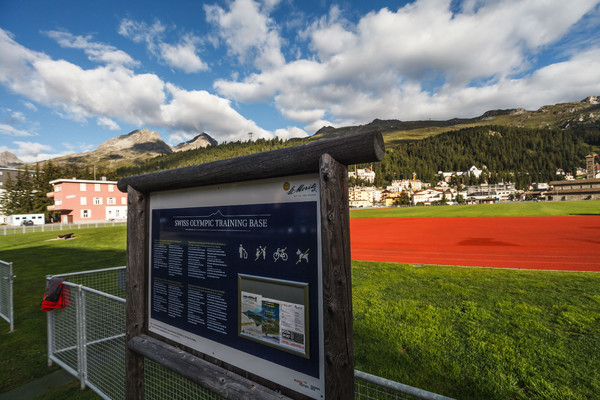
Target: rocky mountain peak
x,y
591,100
141,140
199,141
9,160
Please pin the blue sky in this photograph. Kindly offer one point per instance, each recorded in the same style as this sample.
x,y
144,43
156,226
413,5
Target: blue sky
x,y
74,74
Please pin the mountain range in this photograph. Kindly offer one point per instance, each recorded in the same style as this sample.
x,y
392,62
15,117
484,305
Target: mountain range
x,y
131,148
141,145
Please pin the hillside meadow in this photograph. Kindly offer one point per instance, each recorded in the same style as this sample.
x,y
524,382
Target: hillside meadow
x,y
468,333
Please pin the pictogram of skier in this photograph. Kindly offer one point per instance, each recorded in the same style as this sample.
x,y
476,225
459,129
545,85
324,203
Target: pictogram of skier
x,y
280,253
302,256
261,251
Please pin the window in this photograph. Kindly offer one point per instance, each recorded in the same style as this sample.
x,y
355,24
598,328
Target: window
x,y
111,188
58,202
57,188
96,187
124,201
82,187
83,201
111,201
98,201
86,213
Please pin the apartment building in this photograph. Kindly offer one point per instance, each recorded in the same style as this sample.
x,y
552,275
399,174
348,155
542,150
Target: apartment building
x,y
88,200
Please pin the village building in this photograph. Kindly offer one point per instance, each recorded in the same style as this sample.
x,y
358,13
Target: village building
x,y
364,196
592,168
365,174
80,201
580,189
431,195
490,193
25,219
410,185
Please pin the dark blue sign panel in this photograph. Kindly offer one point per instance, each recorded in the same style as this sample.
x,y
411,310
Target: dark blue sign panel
x,y
200,255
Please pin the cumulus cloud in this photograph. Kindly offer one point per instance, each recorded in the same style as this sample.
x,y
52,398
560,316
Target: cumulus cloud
x,y
115,92
30,106
108,123
10,130
30,152
410,62
97,52
182,55
248,31
290,133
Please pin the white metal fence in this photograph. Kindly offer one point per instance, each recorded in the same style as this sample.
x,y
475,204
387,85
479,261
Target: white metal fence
x,y
6,293
87,338
14,230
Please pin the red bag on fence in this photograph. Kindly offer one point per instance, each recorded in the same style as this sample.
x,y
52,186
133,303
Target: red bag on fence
x,y
56,296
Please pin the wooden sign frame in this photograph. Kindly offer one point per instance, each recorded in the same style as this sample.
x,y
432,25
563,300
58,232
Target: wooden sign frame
x,y
327,157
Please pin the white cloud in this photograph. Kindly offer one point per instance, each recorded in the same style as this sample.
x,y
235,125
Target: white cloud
x,y
182,55
248,32
108,123
408,63
30,106
97,52
115,92
290,132
10,130
18,116
198,111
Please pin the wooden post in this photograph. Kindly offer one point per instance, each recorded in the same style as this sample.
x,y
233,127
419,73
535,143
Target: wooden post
x,y
135,308
337,280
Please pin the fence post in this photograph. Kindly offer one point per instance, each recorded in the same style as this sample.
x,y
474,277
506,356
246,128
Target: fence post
x,y
11,313
81,350
50,330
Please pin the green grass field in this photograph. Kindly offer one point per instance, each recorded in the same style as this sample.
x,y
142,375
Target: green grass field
x,y
479,333
23,353
470,333
517,209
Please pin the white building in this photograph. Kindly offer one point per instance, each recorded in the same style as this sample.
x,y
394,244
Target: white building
x,y
18,219
364,196
411,185
366,174
428,196
486,192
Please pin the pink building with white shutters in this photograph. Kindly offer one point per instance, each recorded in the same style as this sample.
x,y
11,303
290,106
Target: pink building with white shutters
x,y
88,200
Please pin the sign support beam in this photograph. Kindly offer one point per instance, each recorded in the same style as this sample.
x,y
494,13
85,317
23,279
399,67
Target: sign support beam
x,y
337,280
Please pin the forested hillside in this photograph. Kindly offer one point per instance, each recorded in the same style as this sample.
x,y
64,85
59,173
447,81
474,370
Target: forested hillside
x,y
519,155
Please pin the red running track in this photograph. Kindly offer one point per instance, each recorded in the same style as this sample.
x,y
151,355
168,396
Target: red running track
x,y
555,243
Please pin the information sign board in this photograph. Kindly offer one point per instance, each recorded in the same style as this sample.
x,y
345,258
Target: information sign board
x,y
235,273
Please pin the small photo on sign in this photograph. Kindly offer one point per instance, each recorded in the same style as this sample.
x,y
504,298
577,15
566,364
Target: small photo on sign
x,y
274,312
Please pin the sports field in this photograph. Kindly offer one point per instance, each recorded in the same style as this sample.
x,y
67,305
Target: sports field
x,y
554,243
